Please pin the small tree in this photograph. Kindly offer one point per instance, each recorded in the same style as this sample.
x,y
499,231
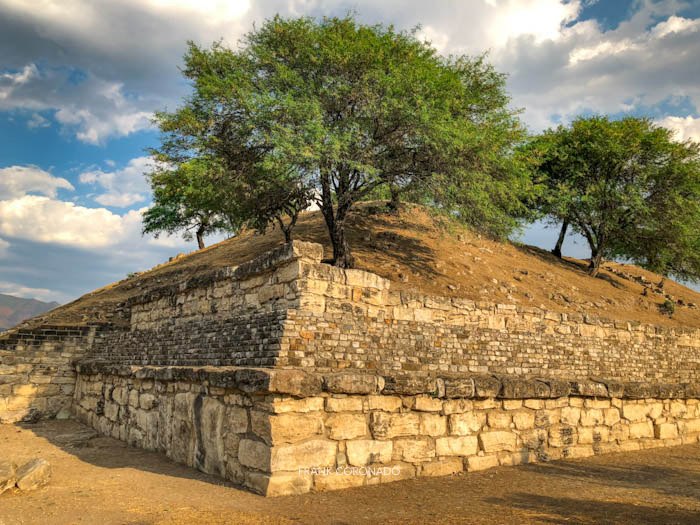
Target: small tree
x,y
627,187
333,111
188,199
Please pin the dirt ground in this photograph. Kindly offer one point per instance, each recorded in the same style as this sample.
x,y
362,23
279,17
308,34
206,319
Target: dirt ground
x,y
99,481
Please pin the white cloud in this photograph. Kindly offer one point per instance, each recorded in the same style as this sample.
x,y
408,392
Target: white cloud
x,y
37,121
41,294
124,187
541,19
17,181
685,128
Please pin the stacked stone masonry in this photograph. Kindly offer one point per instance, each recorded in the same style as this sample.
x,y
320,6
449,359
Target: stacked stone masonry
x,y
281,432
37,375
284,363
287,309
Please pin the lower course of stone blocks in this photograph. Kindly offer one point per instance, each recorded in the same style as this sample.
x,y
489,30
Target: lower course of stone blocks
x,y
280,432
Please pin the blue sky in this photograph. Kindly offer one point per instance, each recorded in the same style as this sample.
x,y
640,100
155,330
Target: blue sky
x,y
79,82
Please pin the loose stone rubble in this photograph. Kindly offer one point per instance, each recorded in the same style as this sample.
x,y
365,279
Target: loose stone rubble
x,y
31,476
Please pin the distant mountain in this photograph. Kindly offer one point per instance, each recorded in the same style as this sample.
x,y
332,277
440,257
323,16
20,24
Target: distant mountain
x,y
14,310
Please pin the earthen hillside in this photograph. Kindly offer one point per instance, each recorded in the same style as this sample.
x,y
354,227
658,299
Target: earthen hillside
x,y
420,252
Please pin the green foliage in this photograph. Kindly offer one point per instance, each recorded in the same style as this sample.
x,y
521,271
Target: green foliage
x,y
668,307
333,111
188,198
627,187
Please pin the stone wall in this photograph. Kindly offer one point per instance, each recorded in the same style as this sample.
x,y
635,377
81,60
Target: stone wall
x,y
283,432
37,376
287,309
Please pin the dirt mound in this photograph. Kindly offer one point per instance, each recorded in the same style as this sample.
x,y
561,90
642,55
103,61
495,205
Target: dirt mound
x,y
421,252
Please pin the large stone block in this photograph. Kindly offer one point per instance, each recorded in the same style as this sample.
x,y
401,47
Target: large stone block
x,y
666,431
634,412
8,475
254,454
475,463
364,452
285,428
562,435
456,446
433,425
442,467
413,450
344,404
466,423
497,441
309,454
385,403
338,480
643,429
346,426
278,483
384,425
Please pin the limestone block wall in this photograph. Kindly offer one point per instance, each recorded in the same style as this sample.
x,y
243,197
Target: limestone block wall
x,y
281,432
287,309
37,376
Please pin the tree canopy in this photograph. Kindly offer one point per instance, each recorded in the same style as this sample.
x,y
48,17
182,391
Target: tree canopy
x,y
627,187
331,111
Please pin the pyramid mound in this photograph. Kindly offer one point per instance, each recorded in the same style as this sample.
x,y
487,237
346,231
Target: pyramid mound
x,y
418,251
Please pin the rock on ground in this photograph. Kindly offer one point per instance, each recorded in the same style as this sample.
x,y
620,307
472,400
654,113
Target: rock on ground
x,y
34,474
8,476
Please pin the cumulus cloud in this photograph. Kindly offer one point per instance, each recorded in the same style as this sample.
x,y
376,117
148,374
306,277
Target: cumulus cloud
x,y
16,181
124,187
685,128
558,66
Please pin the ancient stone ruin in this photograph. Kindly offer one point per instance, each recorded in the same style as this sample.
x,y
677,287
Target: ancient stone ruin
x,y
286,375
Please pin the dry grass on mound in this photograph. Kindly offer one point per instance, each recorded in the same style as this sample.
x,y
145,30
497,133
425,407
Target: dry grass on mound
x,y
419,252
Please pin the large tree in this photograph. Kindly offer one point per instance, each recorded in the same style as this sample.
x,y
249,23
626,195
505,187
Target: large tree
x,y
627,187
333,111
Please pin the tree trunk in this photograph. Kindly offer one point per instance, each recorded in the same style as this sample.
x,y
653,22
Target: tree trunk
x,y
560,241
596,262
342,257
395,202
200,236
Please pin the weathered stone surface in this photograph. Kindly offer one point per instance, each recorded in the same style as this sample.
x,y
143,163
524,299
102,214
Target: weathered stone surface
x,y
459,387
524,420
285,428
634,412
346,426
254,454
351,383
278,483
309,454
486,386
641,430
475,463
499,419
33,474
281,405
344,404
384,425
293,382
516,388
8,475
413,450
433,425
442,467
666,431
427,404
385,403
562,435
364,452
467,423
456,446
497,441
